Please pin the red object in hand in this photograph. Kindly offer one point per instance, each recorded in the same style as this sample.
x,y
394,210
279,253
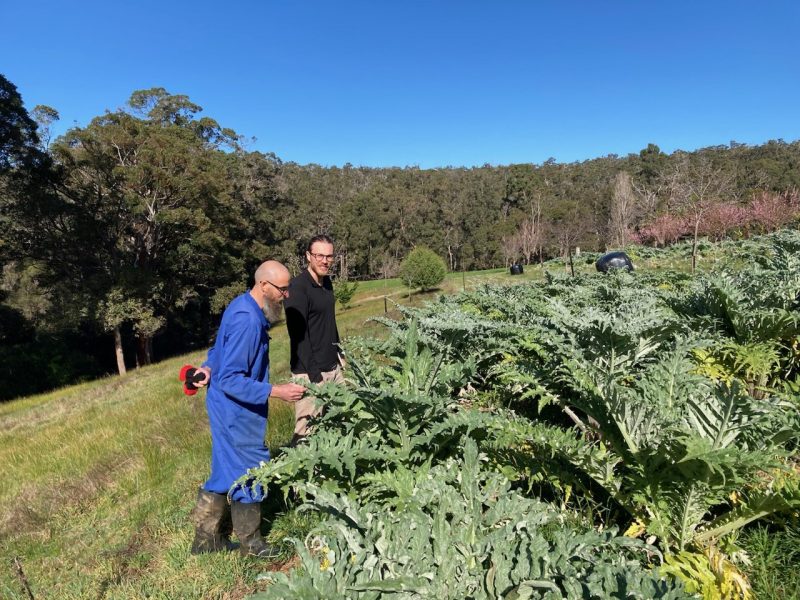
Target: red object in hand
x,y
190,375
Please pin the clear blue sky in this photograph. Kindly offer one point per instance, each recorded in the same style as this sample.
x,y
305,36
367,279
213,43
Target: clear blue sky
x,y
430,83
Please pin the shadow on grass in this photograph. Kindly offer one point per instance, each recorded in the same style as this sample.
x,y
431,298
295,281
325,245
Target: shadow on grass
x,y
426,293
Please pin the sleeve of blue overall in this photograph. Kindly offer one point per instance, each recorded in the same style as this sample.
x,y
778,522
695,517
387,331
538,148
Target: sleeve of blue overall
x,y
241,344
209,361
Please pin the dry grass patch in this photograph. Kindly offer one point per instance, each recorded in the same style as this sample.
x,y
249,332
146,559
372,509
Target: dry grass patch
x,y
38,504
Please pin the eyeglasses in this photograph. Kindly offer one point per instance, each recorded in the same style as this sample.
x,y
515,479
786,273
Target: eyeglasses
x,y
321,257
283,289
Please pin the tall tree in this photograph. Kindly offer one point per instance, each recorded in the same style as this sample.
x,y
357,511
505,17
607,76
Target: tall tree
x,y
623,208
694,185
25,171
19,140
570,224
45,116
143,218
652,162
22,163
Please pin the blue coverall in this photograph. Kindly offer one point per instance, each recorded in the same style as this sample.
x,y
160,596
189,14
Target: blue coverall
x,y
237,396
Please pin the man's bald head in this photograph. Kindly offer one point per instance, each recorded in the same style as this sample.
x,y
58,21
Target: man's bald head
x,y
270,288
273,271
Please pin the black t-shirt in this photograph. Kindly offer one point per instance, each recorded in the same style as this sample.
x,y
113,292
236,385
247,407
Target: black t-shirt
x,y
311,321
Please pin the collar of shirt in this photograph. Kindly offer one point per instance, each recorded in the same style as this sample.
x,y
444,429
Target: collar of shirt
x,y
310,278
259,311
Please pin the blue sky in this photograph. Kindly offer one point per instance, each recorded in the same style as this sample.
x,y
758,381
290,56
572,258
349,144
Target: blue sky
x,y
426,83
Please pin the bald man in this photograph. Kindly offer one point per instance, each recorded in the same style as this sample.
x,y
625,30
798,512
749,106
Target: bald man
x,y
237,373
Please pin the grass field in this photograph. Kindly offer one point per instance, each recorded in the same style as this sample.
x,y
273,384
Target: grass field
x,y
99,478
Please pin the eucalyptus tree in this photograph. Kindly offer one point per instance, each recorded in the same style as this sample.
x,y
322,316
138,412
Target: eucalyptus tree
x,y
623,206
24,173
23,165
144,218
18,136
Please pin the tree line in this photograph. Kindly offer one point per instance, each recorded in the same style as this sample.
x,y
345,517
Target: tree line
x,y
123,239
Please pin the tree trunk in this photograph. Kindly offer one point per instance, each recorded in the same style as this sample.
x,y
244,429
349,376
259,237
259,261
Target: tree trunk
x,y
118,351
571,264
143,350
694,245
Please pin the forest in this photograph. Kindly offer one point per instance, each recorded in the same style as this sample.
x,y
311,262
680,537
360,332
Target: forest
x,y
123,239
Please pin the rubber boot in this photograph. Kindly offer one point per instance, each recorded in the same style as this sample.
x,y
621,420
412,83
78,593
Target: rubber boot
x,y
212,523
247,526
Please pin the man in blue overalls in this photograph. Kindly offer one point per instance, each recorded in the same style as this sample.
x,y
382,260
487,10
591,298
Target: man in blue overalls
x,y
237,373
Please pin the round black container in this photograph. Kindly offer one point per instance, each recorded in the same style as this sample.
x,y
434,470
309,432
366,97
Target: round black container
x,y
516,269
613,260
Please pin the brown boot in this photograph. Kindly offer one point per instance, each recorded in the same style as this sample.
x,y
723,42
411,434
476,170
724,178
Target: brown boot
x,y
212,523
247,526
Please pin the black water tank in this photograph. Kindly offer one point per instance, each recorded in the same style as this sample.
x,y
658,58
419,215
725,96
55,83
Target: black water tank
x,y
613,260
516,269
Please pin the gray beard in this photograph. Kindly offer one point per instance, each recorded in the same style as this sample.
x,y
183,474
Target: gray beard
x,y
273,311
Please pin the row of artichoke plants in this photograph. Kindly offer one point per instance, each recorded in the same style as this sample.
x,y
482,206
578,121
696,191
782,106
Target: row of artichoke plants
x,y
601,436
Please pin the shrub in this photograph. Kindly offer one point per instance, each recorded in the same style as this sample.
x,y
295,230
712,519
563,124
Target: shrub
x,y
344,292
422,268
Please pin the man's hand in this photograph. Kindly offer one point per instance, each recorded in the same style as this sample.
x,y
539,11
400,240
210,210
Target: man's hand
x,y
193,378
291,392
203,382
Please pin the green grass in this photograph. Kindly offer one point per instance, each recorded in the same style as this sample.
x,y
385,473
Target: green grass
x,y
774,569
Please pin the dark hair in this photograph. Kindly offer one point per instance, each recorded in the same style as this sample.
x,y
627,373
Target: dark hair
x,y
319,238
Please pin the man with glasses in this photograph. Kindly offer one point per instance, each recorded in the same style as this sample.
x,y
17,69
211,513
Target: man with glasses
x,y
311,320
237,374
